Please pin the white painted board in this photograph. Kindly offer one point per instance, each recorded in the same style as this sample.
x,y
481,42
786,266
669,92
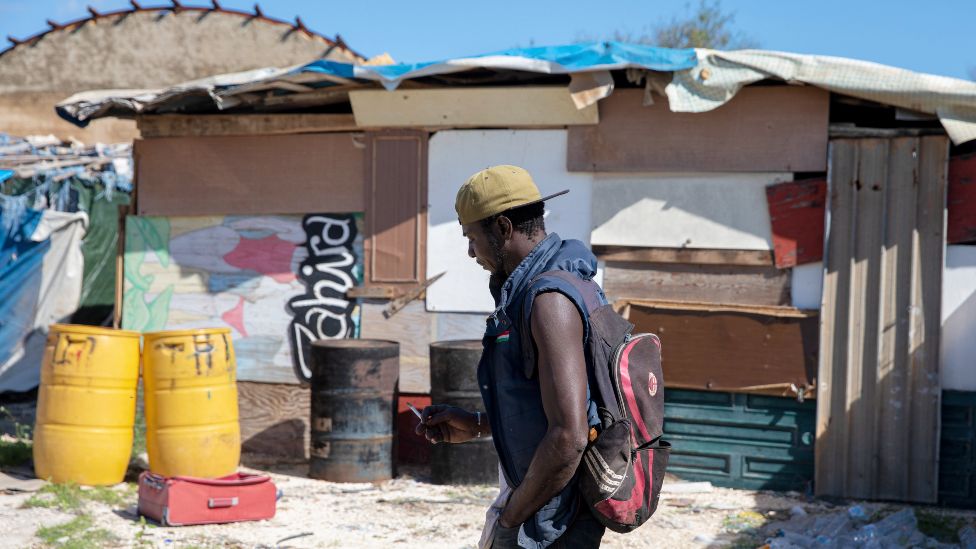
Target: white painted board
x,y
958,359
806,286
456,154
695,210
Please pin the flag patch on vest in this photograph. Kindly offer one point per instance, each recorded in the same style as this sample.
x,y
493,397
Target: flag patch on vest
x,y
503,337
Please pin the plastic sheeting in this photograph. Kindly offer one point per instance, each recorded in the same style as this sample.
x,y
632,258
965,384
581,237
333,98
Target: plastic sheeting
x,y
100,200
588,58
702,80
720,74
41,266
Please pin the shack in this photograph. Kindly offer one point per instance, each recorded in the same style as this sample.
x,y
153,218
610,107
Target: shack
x,y
795,229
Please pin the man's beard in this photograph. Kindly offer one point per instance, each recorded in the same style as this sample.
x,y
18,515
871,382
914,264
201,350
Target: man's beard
x,y
495,244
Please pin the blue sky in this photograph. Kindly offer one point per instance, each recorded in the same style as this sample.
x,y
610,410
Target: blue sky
x,y
935,36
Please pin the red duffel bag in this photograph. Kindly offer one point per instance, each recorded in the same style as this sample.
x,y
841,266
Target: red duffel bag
x,y
178,501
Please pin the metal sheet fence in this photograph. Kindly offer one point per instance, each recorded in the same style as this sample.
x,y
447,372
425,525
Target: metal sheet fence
x,y
878,393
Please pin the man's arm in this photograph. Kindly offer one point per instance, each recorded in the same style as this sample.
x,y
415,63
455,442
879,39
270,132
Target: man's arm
x,y
558,333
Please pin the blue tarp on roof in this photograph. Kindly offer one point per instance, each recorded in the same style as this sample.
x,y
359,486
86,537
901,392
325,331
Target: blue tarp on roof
x,y
567,59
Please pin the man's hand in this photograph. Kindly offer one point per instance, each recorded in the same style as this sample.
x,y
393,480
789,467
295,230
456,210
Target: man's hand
x,y
443,423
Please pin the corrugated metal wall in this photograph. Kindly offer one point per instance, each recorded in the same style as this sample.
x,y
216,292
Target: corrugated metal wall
x,y
878,400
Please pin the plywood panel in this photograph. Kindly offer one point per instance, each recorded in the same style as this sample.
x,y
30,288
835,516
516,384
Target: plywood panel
x,y
732,349
454,156
700,283
877,426
796,212
961,200
498,107
250,175
763,129
274,419
693,210
683,255
413,328
395,191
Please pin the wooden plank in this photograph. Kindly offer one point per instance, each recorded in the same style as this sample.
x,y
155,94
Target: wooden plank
x,y
925,389
892,371
864,308
777,311
831,449
683,255
961,200
195,125
743,351
796,212
373,292
396,198
747,285
280,174
877,430
497,107
274,419
119,267
786,128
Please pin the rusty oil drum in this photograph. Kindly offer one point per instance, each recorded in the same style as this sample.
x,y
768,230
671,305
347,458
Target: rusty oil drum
x,y
353,384
454,381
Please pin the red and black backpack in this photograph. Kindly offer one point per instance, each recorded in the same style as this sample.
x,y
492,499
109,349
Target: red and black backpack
x,y
623,466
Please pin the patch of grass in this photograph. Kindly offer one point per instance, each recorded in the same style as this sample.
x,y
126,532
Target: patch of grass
x,y
14,453
66,497
71,497
78,533
17,451
944,528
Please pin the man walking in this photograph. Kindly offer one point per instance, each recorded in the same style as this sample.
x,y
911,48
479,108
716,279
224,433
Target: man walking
x,y
533,371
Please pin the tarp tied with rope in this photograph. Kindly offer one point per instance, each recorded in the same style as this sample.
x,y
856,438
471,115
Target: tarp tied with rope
x,y
58,233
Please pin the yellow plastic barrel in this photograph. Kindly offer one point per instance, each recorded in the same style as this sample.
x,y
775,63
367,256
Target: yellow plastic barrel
x,y
86,405
190,386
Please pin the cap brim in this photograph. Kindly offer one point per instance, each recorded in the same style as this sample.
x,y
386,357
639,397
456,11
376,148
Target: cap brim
x,y
544,198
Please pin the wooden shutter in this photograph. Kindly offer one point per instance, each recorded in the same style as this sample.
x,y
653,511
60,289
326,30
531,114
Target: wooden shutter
x,y
396,207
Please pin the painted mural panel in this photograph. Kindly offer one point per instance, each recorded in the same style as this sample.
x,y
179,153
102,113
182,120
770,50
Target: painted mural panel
x,y
278,282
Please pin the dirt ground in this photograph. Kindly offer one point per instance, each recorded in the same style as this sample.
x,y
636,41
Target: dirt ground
x,y
408,511
404,512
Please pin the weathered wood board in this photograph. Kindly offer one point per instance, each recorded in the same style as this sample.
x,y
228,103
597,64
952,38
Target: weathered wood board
x,y
250,175
796,213
495,107
739,284
762,129
274,419
760,350
961,200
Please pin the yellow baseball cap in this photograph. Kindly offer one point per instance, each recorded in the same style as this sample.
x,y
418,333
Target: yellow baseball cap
x,y
496,189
